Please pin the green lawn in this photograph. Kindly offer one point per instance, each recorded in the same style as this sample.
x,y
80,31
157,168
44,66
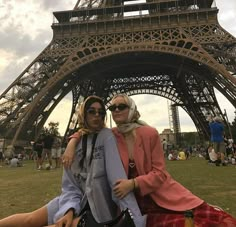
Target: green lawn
x,y
25,189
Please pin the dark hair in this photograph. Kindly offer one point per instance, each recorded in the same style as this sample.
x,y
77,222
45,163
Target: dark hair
x,y
92,100
87,103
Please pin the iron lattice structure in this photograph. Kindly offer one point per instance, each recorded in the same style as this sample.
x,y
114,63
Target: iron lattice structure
x,y
174,49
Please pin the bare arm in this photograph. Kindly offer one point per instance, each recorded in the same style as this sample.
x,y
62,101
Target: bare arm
x,y
69,154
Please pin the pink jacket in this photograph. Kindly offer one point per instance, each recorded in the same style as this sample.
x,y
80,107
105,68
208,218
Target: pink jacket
x,y
153,178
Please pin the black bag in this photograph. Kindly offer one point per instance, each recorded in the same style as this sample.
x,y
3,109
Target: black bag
x,y
123,220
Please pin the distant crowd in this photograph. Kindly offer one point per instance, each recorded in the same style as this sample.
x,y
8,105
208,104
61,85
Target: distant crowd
x,y
220,150
45,149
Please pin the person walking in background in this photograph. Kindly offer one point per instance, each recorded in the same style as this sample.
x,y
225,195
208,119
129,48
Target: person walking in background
x,y
217,138
164,146
56,151
38,149
48,140
159,196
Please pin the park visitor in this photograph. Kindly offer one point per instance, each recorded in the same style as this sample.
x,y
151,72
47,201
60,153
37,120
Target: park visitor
x,y
15,162
217,138
38,150
88,182
56,151
164,200
48,140
158,194
181,155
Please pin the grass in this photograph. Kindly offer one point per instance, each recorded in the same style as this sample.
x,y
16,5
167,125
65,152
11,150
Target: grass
x,y
25,189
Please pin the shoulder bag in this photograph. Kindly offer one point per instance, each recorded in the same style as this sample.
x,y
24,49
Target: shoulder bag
x,y
123,220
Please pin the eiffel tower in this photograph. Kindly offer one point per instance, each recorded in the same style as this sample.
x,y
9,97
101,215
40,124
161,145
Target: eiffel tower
x,y
175,49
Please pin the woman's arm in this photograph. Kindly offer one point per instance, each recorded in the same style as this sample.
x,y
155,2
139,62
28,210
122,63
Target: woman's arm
x,y
71,195
69,154
70,198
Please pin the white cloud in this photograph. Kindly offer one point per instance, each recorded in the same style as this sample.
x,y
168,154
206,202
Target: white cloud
x,y
24,17
4,60
227,15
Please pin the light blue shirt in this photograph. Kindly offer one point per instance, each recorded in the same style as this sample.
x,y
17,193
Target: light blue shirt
x,y
94,183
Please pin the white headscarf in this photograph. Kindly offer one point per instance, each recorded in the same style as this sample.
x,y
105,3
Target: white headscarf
x,y
132,121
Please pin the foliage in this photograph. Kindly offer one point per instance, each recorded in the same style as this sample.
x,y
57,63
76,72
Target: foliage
x,y
52,129
25,189
190,139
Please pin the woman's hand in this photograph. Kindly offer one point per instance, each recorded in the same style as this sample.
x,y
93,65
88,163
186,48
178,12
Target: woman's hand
x,y
123,187
69,154
75,222
66,220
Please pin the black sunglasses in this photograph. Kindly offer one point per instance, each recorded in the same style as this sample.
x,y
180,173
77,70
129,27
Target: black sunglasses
x,y
93,111
120,107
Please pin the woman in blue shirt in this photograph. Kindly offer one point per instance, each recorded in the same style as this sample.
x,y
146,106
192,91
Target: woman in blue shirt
x,y
89,180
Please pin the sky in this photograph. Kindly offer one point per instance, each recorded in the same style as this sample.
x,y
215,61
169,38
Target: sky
x,y
26,30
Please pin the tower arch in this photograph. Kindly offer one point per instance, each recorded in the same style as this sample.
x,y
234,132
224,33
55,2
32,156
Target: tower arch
x,y
173,54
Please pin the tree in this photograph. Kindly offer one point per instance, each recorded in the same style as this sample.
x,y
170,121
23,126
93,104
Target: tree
x,y
52,129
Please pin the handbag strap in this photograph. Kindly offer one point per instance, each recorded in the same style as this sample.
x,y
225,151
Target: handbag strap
x,y
124,219
93,145
84,148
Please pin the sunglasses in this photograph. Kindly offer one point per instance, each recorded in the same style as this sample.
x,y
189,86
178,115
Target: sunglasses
x,y
120,107
94,112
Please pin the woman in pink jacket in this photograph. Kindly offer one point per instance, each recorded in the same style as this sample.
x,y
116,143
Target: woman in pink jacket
x,y
164,200
159,196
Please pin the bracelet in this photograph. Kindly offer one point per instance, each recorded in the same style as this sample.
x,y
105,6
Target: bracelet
x,y
133,184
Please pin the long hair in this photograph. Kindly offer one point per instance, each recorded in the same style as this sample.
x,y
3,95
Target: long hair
x,y
84,129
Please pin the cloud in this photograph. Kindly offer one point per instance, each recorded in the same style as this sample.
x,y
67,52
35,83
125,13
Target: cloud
x,y
227,15
59,5
23,36
24,44
17,54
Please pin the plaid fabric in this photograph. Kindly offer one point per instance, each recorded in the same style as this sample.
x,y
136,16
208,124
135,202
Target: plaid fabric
x,y
205,215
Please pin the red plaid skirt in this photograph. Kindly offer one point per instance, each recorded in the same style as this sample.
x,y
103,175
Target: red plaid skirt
x,y
204,216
